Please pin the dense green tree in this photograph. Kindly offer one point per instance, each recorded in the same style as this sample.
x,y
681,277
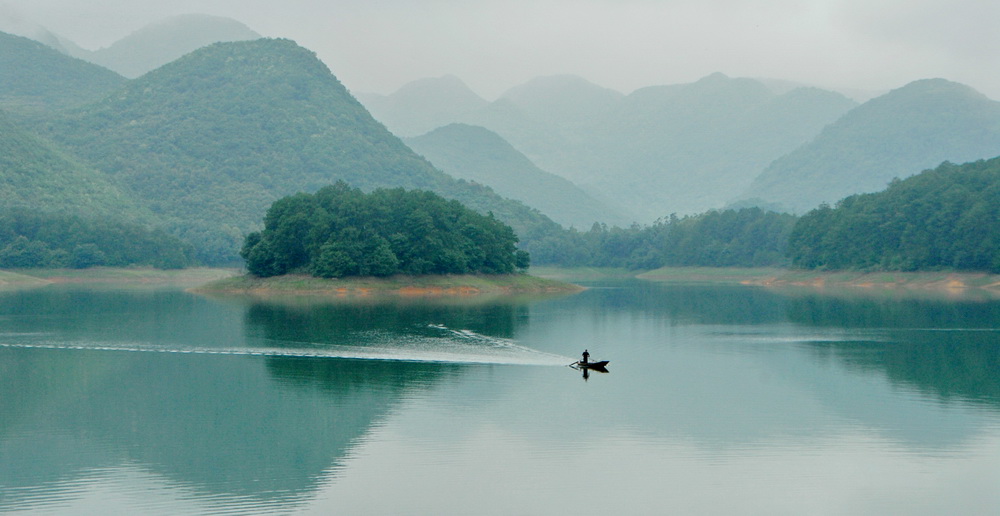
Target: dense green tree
x,y
341,231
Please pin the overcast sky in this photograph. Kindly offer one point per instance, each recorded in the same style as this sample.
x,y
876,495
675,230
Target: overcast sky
x,y
379,45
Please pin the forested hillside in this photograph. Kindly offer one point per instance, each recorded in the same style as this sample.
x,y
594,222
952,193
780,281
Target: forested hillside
x,y
37,175
948,217
207,142
35,77
904,131
480,155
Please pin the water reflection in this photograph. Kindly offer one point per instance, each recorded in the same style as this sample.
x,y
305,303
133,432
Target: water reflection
x,y
264,430
947,349
728,372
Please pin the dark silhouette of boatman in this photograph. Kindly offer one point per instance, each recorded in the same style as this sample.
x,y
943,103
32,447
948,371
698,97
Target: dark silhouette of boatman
x,y
586,357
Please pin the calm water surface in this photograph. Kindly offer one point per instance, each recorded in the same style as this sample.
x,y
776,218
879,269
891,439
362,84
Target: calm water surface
x,y
719,401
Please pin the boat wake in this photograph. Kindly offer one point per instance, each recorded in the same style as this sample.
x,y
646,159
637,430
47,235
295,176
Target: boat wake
x,y
452,346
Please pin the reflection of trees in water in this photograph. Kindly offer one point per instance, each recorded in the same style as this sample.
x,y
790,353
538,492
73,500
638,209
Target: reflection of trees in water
x,y
337,322
949,349
685,303
217,425
261,430
339,378
959,364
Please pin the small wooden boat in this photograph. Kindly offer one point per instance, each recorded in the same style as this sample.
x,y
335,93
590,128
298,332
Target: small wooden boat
x,y
592,365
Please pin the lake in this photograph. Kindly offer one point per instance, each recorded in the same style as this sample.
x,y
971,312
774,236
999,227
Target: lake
x,y
719,400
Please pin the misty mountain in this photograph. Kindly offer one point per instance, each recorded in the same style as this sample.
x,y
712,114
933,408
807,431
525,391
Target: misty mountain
x,y
909,129
423,105
34,76
210,140
480,155
659,150
160,43
19,26
36,175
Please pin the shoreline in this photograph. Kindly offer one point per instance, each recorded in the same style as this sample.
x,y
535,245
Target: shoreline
x,y
542,280
949,282
397,286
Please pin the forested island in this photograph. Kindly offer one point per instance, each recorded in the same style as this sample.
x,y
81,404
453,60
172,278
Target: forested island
x,y
341,231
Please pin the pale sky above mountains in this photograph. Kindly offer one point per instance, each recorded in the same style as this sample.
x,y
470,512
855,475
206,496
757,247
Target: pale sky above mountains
x,y
492,45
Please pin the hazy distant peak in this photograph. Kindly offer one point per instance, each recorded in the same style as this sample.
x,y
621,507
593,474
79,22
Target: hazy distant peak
x,y
716,77
446,87
814,92
936,86
197,26
467,132
556,85
159,43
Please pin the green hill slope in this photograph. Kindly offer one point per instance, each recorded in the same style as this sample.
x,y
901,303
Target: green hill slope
x,y
480,155
948,217
36,77
38,176
207,142
909,129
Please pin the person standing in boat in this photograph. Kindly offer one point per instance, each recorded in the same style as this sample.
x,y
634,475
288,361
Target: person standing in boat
x,y
586,357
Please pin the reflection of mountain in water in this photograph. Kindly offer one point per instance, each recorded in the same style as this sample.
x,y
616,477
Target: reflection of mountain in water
x,y
263,430
948,349
686,304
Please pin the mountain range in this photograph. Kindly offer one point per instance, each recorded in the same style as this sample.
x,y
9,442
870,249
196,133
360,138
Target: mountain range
x,y
146,49
717,142
204,143
478,154
895,135
207,142
659,150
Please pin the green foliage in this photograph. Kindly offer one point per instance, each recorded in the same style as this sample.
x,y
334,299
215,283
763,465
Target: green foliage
x,y
38,175
31,239
209,141
948,217
341,231
749,237
35,77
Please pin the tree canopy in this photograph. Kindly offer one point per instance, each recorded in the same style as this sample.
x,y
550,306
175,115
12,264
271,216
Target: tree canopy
x,y
948,217
31,239
341,231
